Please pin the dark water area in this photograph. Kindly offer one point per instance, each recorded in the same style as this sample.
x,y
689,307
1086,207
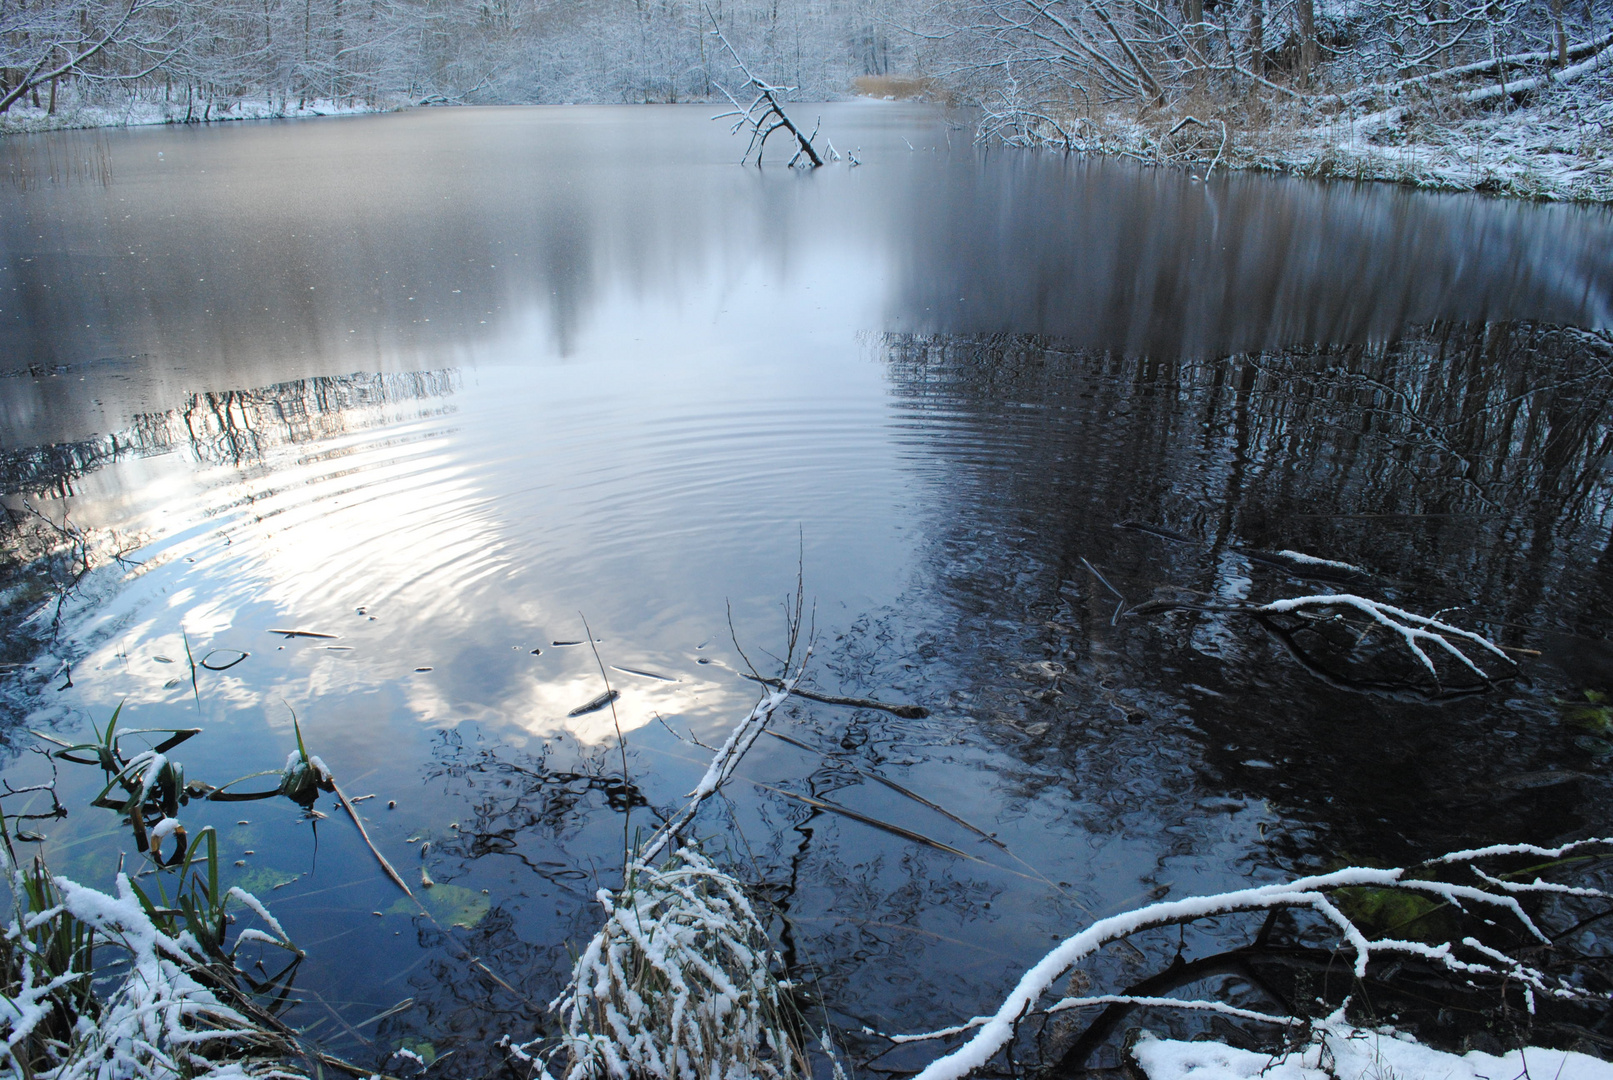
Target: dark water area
x,y
441,385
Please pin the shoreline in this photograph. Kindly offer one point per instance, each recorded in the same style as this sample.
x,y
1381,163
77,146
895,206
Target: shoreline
x,y
1514,156
29,120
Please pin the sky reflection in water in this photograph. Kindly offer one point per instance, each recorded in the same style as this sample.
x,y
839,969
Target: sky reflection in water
x,y
602,371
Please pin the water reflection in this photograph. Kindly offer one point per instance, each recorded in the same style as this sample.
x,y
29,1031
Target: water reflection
x,y
141,265
1108,257
1462,465
232,427
643,384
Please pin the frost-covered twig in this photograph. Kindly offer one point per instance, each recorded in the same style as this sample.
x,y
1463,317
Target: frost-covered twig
x,y
1467,958
1411,627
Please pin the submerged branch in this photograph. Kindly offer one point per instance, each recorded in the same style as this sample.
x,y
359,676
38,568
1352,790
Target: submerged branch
x,y
1465,959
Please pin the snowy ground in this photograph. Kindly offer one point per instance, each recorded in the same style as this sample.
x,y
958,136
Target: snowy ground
x,y
26,118
1342,1052
1557,144
1558,147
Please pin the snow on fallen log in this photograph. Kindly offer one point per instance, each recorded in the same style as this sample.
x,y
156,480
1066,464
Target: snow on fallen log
x,y
1573,73
1466,959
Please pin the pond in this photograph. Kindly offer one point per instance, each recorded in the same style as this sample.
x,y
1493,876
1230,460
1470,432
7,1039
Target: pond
x,y
451,392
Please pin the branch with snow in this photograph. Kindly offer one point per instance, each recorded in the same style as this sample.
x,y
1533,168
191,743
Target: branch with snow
x,y
680,981
1421,635
765,114
1467,958
1415,630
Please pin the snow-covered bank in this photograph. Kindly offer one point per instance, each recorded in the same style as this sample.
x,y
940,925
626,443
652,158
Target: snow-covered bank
x,y
1556,145
1339,1051
137,113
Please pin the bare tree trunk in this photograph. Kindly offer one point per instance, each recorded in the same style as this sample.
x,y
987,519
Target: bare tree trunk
x,y
1557,29
51,109
1306,10
1257,37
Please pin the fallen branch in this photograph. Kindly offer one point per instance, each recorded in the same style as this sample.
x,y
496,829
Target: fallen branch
x,y
1466,959
1418,633
1523,86
1583,48
765,114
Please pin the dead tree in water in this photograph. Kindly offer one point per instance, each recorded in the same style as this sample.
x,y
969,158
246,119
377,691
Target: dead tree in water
x,y
765,114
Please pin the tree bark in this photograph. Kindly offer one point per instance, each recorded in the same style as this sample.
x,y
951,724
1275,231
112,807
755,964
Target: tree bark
x,y
1193,15
1257,37
1557,29
1306,10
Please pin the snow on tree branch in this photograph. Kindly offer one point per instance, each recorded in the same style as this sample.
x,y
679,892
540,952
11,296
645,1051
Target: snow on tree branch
x,y
765,114
1467,957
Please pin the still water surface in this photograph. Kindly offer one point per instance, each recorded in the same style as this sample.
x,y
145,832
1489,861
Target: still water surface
x,y
444,384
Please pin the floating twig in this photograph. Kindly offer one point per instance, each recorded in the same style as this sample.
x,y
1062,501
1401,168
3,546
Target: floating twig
x,y
595,704
352,812
906,712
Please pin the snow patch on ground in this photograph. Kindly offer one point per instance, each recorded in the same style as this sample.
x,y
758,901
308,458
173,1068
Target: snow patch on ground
x,y
1343,1052
26,118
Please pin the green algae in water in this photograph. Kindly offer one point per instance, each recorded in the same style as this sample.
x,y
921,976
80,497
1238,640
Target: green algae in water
x,y
451,905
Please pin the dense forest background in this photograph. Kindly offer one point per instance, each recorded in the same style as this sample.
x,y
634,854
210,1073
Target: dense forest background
x,y
1491,94
1028,60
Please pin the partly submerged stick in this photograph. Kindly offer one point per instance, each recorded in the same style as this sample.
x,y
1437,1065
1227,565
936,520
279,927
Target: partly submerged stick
x,y
744,735
722,765
906,712
893,785
767,120
1313,892
352,812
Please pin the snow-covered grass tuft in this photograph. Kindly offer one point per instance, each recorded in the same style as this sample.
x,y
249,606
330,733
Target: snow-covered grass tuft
x,y
680,984
95,989
682,981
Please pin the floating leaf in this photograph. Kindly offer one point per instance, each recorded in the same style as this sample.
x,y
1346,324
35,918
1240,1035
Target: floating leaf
x,y
1599,748
419,1047
1596,714
261,879
451,905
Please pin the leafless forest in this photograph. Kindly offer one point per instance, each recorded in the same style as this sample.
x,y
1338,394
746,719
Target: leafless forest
x,y
1514,92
